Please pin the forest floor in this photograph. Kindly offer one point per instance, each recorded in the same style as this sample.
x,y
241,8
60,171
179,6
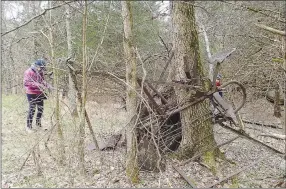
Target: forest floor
x,y
106,168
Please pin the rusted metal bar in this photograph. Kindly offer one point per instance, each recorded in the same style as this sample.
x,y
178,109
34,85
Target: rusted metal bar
x,y
158,93
245,135
243,91
166,66
190,104
154,103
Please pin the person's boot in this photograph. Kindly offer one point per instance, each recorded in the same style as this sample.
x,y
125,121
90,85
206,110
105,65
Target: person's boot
x,y
29,130
29,127
38,123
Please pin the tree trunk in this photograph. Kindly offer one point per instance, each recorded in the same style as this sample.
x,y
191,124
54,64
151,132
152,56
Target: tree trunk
x,y
71,90
197,133
60,142
130,59
208,51
284,90
84,88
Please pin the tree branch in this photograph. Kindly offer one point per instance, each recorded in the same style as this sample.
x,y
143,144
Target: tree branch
x,y
260,11
275,31
44,12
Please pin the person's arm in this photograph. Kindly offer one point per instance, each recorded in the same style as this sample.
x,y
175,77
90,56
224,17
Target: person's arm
x,y
29,81
46,85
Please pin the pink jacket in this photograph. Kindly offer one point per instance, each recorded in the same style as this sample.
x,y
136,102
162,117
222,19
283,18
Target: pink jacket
x,y
34,81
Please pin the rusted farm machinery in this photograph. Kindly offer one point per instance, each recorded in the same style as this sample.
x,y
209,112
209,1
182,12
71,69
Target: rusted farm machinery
x,y
159,126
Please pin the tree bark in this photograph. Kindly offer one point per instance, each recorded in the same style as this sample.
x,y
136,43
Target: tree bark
x,y
208,51
60,142
284,90
132,169
84,88
277,109
71,90
197,133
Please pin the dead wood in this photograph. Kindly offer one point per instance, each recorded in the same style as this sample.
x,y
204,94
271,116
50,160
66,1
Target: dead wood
x,y
267,28
158,93
262,124
166,66
25,161
274,135
184,176
150,97
73,76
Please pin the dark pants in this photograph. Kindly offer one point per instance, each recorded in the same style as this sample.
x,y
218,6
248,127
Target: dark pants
x,y
35,100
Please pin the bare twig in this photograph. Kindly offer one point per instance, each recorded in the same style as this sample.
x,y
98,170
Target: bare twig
x,y
102,39
44,12
259,11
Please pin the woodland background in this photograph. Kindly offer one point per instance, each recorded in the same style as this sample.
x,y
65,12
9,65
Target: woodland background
x,y
57,30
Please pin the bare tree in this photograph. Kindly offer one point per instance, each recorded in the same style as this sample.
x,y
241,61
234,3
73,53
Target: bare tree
x,y
84,88
71,91
130,60
61,147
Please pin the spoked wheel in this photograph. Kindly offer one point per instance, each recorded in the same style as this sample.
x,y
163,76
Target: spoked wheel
x,y
226,107
234,94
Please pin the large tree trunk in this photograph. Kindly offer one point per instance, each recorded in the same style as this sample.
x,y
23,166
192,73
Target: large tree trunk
x,y
197,132
284,90
132,170
71,90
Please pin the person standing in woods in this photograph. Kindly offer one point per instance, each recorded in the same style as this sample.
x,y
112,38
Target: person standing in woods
x,y
218,84
35,86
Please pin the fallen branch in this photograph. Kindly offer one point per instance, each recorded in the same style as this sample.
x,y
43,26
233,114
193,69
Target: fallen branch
x,y
73,76
237,172
274,135
267,28
184,176
91,130
25,161
262,124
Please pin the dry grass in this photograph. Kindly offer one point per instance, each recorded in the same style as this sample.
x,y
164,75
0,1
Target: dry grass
x,y
107,168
